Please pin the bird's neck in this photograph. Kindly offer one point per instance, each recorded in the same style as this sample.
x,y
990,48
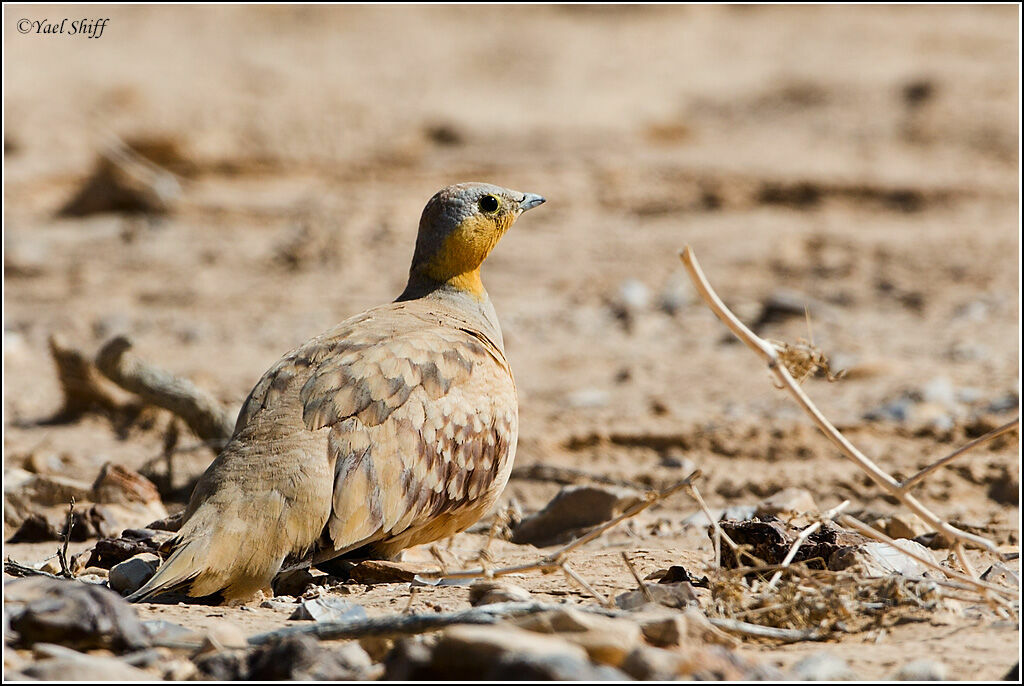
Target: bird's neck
x,y
422,282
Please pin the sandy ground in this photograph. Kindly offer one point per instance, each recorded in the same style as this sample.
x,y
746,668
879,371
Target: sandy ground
x,y
864,158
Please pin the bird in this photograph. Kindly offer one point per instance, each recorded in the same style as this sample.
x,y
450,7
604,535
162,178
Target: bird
x,y
396,427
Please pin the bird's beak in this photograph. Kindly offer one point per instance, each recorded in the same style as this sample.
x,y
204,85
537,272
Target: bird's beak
x,y
530,201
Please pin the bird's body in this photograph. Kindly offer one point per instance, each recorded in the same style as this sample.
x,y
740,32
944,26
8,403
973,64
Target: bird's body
x,y
396,427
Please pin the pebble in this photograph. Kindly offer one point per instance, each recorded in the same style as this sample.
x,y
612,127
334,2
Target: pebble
x,y
572,509
328,609
823,667
85,668
788,501
129,576
607,640
921,670
490,592
75,615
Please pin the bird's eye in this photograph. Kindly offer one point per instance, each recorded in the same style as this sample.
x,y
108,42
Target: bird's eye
x,y
489,203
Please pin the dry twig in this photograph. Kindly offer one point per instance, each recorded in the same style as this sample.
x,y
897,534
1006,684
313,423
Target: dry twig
x,y
770,354
203,413
62,552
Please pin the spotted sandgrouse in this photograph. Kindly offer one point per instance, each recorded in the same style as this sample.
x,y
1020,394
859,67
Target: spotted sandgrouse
x,y
397,427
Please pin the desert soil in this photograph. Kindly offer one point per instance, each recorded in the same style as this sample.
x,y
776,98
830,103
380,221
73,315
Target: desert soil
x,y
860,159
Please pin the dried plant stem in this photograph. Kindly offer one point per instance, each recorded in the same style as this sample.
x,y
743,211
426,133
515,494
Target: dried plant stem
x,y
572,574
908,484
720,535
759,631
648,596
62,552
770,355
203,413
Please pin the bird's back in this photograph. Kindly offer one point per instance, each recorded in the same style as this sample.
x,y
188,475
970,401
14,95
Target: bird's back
x,y
394,428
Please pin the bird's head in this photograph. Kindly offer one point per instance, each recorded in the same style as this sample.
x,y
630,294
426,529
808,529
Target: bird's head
x,y
459,227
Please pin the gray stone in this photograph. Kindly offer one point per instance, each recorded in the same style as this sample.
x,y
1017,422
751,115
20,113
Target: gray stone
x,y
129,576
823,667
86,668
572,509
328,609
921,670
670,595
490,592
72,614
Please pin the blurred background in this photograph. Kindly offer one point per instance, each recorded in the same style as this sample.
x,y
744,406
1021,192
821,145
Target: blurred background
x,y
223,182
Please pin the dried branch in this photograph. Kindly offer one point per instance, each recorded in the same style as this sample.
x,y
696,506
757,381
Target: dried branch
x,y
648,596
17,569
85,389
203,413
65,537
769,353
398,625
907,484
759,631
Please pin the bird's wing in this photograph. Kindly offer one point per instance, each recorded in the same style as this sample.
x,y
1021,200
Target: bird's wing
x,y
422,422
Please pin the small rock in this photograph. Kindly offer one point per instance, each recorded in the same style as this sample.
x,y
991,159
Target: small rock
x,y
588,398
47,489
160,630
129,576
80,616
490,592
304,658
221,635
606,639
786,503
85,668
677,460
676,295
634,295
179,670
881,559
507,652
940,391
895,411
921,670
51,566
737,512
385,572
117,187
645,663
823,667
574,508
907,525
115,484
1001,574
670,595
286,603
665,631
109,551
328,609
